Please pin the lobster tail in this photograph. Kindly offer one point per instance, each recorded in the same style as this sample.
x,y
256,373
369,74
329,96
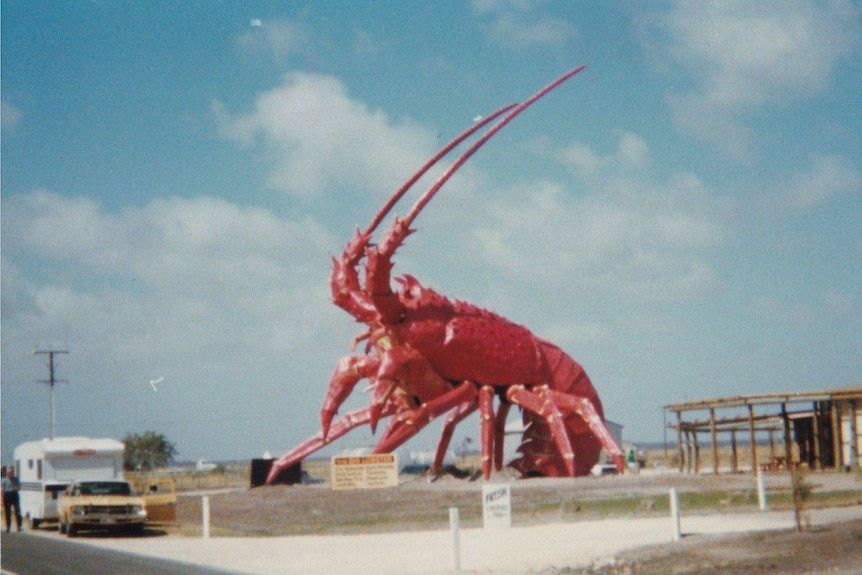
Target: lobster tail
x,y
539,453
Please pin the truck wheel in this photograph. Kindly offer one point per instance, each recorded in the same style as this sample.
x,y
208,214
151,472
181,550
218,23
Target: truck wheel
x,y
62,526
72,530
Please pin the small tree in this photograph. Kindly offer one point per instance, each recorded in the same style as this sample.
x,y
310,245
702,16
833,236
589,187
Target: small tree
x,y
147,451
801,493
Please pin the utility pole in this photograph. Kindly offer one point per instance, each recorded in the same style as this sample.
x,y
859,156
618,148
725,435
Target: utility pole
x,y
51,381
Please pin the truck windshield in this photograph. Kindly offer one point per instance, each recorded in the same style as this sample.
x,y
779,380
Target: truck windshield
x,y
103,488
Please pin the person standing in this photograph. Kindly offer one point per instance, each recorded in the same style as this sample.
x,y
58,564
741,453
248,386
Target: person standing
x,y
11,485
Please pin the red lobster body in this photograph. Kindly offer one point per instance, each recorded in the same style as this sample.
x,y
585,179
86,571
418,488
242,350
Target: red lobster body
x,y
463,342
427,356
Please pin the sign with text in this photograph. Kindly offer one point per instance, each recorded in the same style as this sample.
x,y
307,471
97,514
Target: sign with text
x,y
496,506
365,471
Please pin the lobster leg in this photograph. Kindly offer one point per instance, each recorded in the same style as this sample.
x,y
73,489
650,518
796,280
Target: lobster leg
x,y
500,433
349,370
457,416
406,424
340,427
588,413
543,405
487,425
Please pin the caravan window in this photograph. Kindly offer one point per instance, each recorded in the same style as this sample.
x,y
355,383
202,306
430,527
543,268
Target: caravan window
x,y
39,469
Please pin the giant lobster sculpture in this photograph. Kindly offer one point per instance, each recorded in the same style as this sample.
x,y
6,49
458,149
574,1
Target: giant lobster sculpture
x,y
426,356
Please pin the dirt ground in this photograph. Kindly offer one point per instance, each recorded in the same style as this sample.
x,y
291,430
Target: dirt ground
x,y
418,504
834,549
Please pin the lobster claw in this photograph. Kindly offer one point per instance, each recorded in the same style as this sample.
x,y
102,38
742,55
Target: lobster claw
x,y
355,248
326,416
374,413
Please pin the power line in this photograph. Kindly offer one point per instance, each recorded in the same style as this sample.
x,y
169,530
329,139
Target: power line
x,y
51,381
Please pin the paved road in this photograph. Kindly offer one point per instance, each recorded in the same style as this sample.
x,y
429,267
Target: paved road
x,y
27,554
516,550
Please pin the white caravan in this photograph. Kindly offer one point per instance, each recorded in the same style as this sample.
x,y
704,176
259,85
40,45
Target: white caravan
x,y
45,468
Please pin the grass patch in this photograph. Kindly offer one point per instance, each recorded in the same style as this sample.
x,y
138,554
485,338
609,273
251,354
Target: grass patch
x,y
419,505
574,509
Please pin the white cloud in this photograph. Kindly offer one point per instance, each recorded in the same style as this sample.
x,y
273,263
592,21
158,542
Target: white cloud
x,y
745,55
184,264
629,235
828,177
319,139
579,158
520,24
632,154
274,39
10,115
205,292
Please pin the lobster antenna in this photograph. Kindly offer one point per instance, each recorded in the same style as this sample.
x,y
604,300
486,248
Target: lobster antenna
x,y
426,197
429,164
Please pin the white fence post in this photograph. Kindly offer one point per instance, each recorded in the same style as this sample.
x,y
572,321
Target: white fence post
x,y
674,513
456,537
761,492
206,516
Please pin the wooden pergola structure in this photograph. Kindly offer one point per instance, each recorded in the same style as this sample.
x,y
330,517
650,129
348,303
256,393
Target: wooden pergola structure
x,y
826,426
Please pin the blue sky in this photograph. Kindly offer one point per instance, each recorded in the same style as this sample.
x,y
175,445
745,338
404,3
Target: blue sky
x,y
682,217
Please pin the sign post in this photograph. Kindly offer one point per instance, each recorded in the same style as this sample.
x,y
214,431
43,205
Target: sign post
x,y
205,508
674,514
496,506
365,472
761,492
455,526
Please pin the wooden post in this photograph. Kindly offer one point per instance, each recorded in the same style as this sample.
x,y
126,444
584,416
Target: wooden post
x,y
733,460
838,453
788,447
679,440
854,435
714,435
788,451
753,438
815,441
696,453
689,461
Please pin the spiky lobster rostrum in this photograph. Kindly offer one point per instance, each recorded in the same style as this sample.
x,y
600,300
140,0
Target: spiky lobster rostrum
x,y
426,355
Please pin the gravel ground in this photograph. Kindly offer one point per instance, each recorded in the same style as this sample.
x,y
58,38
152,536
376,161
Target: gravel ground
x,y
585,547
405,530
828,549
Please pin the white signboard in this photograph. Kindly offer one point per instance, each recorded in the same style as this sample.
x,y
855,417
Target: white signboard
x,y
365,472
496,506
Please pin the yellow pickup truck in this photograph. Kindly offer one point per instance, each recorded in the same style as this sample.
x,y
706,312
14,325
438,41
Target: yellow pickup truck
x,y
110,505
